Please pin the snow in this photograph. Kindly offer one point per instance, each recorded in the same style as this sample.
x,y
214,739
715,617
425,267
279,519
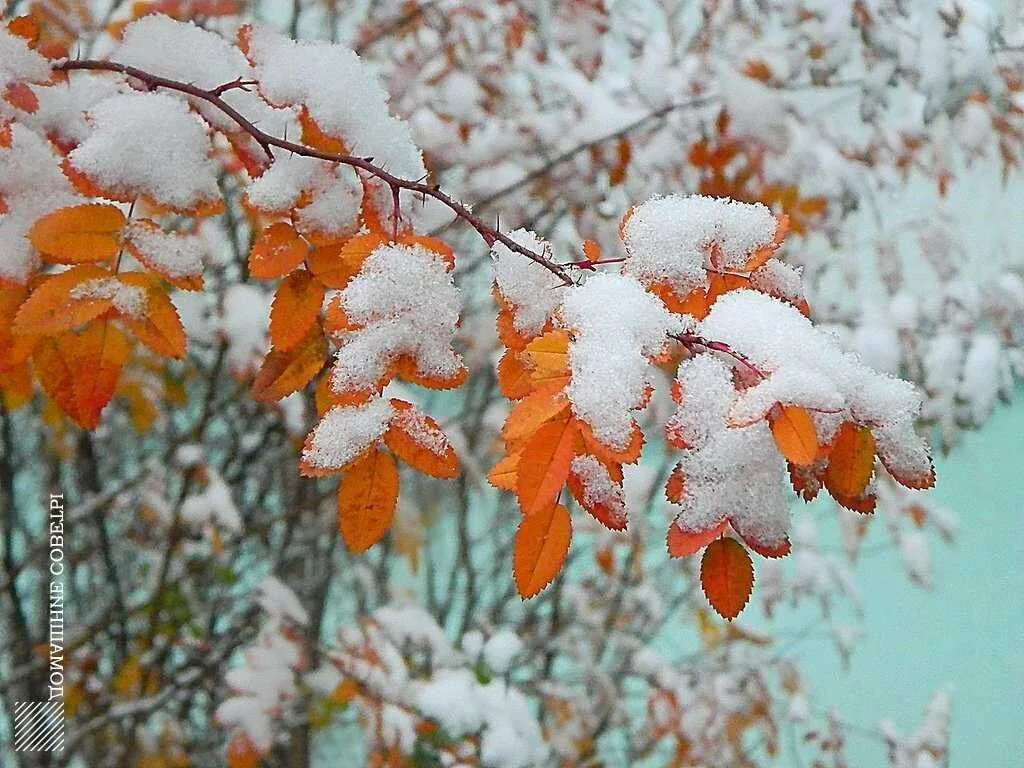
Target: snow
x,y
421,429
31,186
334,194
279,601
599,488
19,63
500,650
510,736
128,300
675,239
342,96
244,317
168,253
212,504
729,473
62,107
345,432
616,326
533,292
149,144
982,376
404,302
180,50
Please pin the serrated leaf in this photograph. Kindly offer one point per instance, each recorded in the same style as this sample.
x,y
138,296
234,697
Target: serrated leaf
x,y
794,434
416,439
726,576
851,460
285,372
78,234
52,307
367,497
296,307
544,464
277,251
542,543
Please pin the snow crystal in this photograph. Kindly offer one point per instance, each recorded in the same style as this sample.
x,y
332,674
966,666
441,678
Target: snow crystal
x,y
62,107
335,193
31,186
598,486
675,239
340,93
277,599
510,734
729,473
180,50
418,426
19,63
149,143
616,326
128,300
777,339
532,291
344,432
407,303
169,253
500,650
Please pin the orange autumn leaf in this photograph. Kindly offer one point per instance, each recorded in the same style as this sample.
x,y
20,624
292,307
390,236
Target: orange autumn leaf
x,y
276,252
439,247
79,371
532,411
726,576
295,309
544,465
367,497
851,460
513,376
149,244
242,753
14,349
793,431
549,357
20,96
15,387
407,369
609,455
682,543
416,439
503,475
160,327
77,234
609,512
334,265
285,372
542,542
53,306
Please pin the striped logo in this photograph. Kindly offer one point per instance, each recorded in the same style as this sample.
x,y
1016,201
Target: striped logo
x,y
38,726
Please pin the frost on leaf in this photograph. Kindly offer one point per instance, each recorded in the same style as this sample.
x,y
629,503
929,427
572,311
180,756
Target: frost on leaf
x,y
403,304
343,434
127,153
673,241
531,293
617,327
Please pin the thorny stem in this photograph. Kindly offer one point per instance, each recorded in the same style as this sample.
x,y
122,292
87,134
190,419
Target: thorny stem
x,y
690,340
267,141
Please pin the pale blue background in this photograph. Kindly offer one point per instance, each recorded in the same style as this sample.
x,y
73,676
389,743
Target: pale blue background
x,y
966,633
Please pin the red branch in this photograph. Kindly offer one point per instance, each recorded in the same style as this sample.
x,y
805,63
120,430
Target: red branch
x,y
267,141
689,340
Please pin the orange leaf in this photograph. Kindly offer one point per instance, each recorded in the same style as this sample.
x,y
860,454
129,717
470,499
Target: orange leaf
x,y
285,372
296,307
683,543
14,350
432,244
79,371
417,440
513,376
242,753
276,252
794,434
334,265
79,233
542,542
503,475
609,455
52,308
21,96
726,576
544,465
366,499
407,369
549,356
160,328
532,411
151,246
850,462
611,515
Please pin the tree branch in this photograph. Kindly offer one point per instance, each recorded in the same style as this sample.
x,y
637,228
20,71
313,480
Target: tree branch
x,y
267,141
